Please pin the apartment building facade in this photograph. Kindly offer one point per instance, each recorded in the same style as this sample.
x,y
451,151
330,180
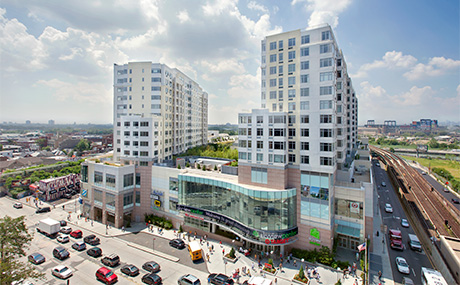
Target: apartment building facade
x,y
158,112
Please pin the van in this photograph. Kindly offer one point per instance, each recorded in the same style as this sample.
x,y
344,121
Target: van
x,y
414,242
194,249
395,239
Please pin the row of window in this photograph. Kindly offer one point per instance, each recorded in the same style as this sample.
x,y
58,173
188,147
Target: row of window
x,y
136,124
305,39
291,145
281,132
259,175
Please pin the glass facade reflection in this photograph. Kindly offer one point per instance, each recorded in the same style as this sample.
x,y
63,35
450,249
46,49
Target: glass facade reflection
x,y
264,210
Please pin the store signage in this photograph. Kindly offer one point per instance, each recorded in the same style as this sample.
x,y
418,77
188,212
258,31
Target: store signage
x,y
315,237
159,193
194,217
157,203
354,207
269,237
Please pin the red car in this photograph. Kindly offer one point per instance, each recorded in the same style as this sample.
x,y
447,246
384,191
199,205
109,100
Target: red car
x,y
105,275
76,234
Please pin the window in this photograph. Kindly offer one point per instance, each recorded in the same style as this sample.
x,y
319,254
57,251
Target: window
x,y
110,201
291,119
339,109
292,158
84,173
280,82
325,119
326,35
263,59
126,143
325,62
127,124
304,92
274,107
272,94
292,133
260,144
280,94
291,80
305,119
305,39
304,146
280,59
128,180
291,145
325,104
272,45
272,69
279,158
272,57
304,132
143,163
156,79
259,175
291,67
127,152
291,106
305,159
280,44
325,147
339,85
128,200
249,143
280,107
339,120
291,55
110,181
144,134
144,143
262,96
98,177
138,198
260,157
278,132
325,160
291,42
305,51
97,197
325,76
325,133
279,145
138,179
325,90
272,82
249,132
242,143
241,155
144,153
291,93
305,105
325,48
304,65
260,132
304,78
260,119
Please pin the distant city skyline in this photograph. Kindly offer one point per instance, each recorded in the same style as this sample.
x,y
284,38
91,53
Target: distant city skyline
x,y
57,57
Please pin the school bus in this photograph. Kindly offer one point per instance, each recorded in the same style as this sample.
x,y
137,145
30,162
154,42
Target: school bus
x,y
194,248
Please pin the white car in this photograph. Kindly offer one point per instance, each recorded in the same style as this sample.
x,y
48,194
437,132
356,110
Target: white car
x,y
17,205
61,271
402,265
63,238
66,230
384,184
404,223
388,208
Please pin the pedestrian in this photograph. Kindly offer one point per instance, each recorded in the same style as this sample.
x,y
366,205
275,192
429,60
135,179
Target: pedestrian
x,y
276,281
281,267
207,256
209,280
295,263
380,275
212,247
122,228
91,222
223,251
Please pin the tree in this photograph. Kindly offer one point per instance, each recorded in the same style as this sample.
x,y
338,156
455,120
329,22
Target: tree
x,y
42,142
14,239
83,145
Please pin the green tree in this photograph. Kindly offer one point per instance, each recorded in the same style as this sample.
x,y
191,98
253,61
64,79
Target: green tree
x,y
42,142
301,272
83,145
1,147
14,239
433,143
392,149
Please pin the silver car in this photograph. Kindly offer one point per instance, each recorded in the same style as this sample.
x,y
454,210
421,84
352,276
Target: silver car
x,y
61,271
402,265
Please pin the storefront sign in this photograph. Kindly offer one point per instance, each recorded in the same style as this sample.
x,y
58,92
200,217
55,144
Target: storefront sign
x,y
157,203
315,237
269,237
354,207
194,217
159,193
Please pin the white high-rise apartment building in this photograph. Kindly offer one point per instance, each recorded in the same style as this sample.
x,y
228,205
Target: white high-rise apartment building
x,y
158,112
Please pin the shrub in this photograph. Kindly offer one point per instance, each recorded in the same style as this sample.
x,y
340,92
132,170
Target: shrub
x,y
232,253
204,168
215,167
301,272
180,229
178,166
187,164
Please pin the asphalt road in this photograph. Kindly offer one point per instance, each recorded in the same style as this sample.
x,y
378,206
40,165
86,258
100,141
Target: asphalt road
x,y
415,259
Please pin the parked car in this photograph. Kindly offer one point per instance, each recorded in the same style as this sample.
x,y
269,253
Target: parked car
x,y
384,184
63,223
130,270
402,265
111,260
36,258
220,279
455,201
188,279
404,223
79,245
423,173
61,271
60,253
63,238
177,243
446,190
66,230
92,240
67,195
76,234
151,278
17,205
106,275
94,252
388,208
43,210
151,266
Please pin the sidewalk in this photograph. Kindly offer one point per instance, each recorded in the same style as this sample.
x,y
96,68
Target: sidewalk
x,y
216,263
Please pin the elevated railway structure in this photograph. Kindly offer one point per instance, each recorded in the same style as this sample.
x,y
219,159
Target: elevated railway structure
x,y
435,213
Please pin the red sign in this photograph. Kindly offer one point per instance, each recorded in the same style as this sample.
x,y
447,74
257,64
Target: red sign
x,y
276,241
268,265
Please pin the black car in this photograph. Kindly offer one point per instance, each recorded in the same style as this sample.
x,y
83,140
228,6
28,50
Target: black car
x,y
111,260
92,240
67,195
63,223
43,210
36,258
151,266
151,278
130,270
94,252
455,201
177,243
220,279
61,253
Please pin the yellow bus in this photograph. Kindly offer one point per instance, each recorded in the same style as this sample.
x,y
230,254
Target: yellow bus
x,y
194,248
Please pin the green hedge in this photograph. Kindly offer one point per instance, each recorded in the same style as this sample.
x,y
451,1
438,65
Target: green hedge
x,y
158,221
454,183
323,256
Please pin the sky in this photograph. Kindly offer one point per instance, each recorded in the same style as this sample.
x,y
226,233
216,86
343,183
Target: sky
x,y
57,56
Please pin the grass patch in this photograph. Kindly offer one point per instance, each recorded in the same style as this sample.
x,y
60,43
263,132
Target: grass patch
x,y
450,165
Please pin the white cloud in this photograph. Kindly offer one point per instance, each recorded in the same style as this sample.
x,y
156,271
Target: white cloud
x,y
436,66
79,92
219,6
245,86
324,11
391,60
183,16
253,5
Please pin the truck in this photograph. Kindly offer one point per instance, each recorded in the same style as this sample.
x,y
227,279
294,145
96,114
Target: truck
x,y
49,227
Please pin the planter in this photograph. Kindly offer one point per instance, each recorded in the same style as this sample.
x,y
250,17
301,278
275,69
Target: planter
x,y
232,260
300,282
268,272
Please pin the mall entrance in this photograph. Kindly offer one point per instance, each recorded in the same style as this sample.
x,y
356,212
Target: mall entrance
x,y
348,242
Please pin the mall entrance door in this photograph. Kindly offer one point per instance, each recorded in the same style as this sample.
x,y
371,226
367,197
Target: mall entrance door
x,y
273,251
348,242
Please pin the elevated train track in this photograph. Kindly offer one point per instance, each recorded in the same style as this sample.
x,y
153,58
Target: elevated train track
x,y
432,209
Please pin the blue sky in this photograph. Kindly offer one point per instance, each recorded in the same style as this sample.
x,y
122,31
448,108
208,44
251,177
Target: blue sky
x,y
57,56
